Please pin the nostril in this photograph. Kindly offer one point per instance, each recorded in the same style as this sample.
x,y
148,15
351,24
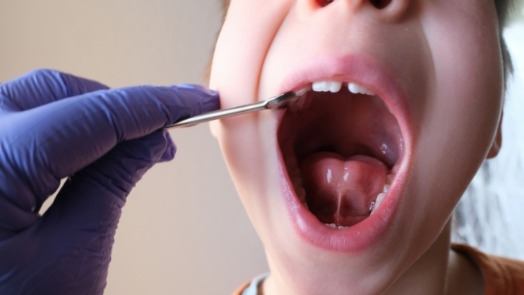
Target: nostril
x,y
379,4
323,3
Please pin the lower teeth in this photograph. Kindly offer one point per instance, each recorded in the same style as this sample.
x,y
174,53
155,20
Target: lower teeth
x,y
371,206
375,204
380,197
333,225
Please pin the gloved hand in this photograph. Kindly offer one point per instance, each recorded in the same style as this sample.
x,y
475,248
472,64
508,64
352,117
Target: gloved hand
x,y
53,126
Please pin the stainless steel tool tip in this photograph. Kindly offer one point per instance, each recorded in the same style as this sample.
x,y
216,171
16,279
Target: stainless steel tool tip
x,y
277,102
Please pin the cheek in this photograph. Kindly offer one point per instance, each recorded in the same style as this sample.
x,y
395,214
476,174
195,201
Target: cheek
x,y
464,110
461,115
239,54
242,46
244,40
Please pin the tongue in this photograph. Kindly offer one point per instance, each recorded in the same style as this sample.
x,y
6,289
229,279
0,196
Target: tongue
x,y
340,191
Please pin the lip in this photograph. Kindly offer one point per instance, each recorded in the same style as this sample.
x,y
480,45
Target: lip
x,y
375,77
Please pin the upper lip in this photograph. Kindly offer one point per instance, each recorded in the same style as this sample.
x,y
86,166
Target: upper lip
x,y
360,69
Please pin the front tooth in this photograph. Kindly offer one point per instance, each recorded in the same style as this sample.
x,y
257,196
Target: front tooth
x,y
327,86
358,89
332,225
335,86
320,86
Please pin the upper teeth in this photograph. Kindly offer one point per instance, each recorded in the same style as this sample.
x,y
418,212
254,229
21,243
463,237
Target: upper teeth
x,y
327,86
355,88
335,86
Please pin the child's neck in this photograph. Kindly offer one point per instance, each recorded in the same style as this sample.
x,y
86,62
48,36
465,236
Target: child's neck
x,y
440,271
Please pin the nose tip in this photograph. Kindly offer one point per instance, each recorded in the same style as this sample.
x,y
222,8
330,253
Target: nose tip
x,y
390,9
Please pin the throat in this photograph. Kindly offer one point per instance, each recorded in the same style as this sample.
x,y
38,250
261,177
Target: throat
x,y
433,272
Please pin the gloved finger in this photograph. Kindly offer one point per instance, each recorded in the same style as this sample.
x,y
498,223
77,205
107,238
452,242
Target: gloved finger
x,y
57,140
83,219
43,86
88,126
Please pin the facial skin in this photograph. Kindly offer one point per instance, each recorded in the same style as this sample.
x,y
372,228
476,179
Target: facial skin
x,y
445,57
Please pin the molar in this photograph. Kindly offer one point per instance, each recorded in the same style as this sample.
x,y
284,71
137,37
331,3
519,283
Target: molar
x,y
371,206
375,204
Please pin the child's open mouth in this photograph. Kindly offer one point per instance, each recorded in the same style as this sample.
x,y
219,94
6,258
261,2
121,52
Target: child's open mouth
x,y
343,148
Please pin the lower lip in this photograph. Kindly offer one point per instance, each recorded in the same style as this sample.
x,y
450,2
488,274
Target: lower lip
x,y
352,239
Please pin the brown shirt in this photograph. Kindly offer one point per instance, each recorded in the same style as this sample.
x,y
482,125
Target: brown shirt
x,y
502,276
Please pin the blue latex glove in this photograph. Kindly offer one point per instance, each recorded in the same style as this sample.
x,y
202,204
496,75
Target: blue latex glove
x,y
53,126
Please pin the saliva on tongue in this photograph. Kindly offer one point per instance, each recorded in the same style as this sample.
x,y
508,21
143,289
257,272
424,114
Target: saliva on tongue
x,y
339,190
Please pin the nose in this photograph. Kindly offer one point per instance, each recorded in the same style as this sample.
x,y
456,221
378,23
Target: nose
x,y
390,9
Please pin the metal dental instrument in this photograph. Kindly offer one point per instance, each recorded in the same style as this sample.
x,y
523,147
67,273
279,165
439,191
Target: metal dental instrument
x,y
277,102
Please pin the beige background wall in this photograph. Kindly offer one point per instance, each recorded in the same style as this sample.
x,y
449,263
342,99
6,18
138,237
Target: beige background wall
x,y
183,230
